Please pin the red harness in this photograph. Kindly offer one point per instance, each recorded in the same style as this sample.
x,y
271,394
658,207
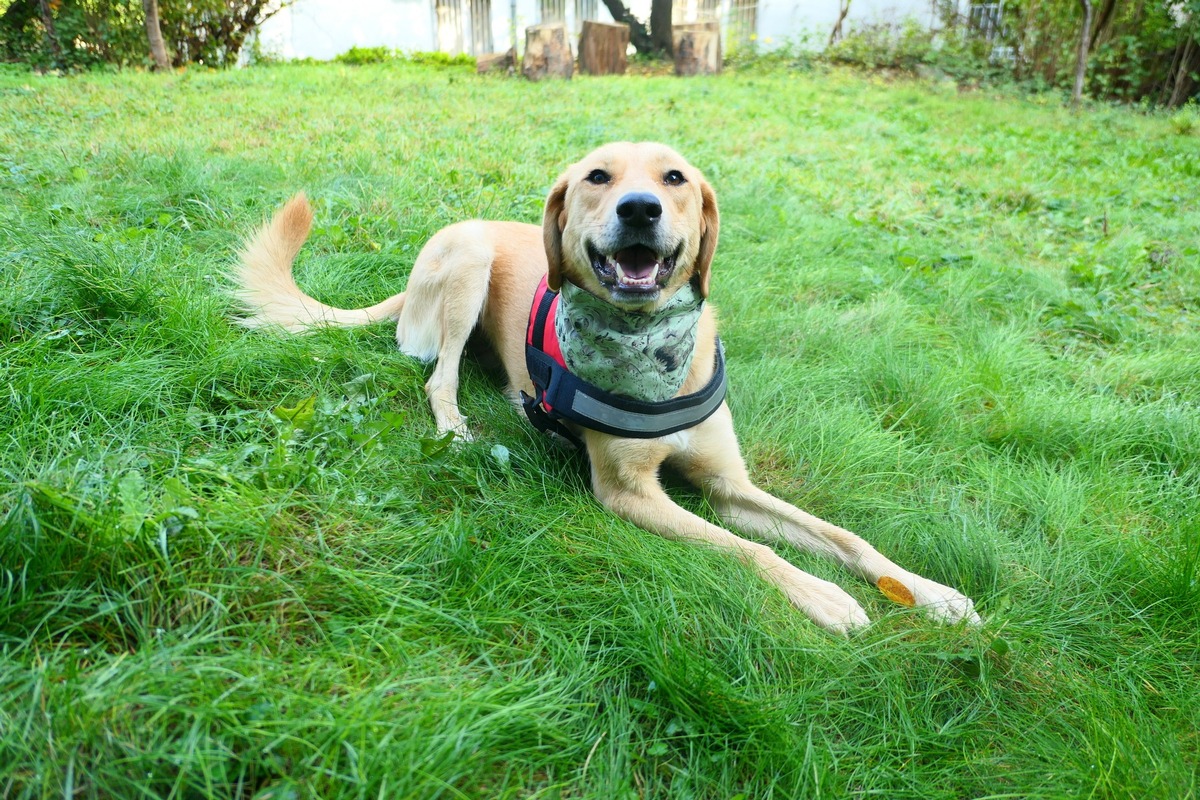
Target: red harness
x,y
547,338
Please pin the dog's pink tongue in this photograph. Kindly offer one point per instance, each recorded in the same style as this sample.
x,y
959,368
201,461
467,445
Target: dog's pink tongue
x,y
638,263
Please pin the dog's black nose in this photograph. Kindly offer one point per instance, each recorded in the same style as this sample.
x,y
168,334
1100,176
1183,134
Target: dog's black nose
x,y
639,209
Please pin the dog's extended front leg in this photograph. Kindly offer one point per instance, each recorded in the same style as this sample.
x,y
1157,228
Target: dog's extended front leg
x,y
717,467
743,505
634,494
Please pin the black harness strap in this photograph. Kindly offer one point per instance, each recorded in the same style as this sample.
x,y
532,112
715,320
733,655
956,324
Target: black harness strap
x,y
561,395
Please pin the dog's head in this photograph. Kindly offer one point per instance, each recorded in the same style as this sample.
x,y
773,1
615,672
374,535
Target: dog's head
x,y
631,223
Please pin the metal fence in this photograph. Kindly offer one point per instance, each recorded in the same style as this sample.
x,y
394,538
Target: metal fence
x,y
481,27
741,23
448,15
552,10
738,18
466,25
984,19
584,10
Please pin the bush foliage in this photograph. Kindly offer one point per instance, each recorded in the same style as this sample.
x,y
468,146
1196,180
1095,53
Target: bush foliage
x,y
1143,52
358,56
78,34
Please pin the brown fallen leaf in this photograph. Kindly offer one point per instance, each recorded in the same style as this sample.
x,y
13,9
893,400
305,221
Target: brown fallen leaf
x,y
896,591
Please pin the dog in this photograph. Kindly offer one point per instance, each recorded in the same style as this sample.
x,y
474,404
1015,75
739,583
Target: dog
x,y
630,229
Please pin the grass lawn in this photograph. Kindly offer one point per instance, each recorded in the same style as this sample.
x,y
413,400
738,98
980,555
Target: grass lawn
x,y
233,564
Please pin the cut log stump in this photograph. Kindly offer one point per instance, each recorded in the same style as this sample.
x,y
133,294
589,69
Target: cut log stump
x,y
602,48
496,62
547,52
697,48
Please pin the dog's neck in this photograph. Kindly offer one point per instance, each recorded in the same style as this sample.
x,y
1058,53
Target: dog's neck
x,y
632,354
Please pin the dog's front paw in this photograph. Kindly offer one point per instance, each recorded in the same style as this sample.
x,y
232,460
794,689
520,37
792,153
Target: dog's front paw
x,y
462,433
825,603
840,617
941,602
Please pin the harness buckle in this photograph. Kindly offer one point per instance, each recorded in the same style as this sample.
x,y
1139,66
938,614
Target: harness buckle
x,y
544,420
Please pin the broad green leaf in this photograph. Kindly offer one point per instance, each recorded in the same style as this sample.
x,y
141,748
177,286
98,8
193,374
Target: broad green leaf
x,y
300,415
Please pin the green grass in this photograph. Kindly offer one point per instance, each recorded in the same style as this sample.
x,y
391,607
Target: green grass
x,y
963,325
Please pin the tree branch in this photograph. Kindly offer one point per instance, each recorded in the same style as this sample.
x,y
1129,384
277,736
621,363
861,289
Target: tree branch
x,y
639,36
836,33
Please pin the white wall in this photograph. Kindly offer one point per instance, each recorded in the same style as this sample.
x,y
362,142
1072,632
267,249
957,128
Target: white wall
x,y
780,20
323,28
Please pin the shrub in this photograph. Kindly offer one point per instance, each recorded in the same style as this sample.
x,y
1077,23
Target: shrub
x,y
437,59
379,55
90,32
366,55
1144,53
912,45
874,45
1186,121
1139,51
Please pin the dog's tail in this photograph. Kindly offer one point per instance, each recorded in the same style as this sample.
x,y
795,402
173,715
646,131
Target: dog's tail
x,y
268,292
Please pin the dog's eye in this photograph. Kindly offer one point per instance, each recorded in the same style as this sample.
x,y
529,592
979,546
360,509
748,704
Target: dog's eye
x,y
598,177
674,178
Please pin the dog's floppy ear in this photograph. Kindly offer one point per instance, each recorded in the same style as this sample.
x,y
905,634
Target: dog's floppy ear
x,y
553,222
710,225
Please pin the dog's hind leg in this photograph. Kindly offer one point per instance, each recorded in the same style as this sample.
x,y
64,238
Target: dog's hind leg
x,y
444,299
442,386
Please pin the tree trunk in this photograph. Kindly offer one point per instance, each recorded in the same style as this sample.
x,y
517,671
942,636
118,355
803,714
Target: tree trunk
x,y
836,33
154,34
1020,53
1081,62
602,48
51,34
1102,20
1167,85
660,26
638,35
547,52
1183,78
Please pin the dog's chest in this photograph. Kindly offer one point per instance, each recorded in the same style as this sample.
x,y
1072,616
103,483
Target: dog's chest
x,y
643,356
678,442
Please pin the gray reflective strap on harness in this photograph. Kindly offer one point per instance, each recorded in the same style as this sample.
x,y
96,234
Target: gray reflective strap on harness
x,y
561,395
637,422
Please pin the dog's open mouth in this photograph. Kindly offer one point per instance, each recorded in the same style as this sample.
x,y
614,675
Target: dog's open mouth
x,y
636,269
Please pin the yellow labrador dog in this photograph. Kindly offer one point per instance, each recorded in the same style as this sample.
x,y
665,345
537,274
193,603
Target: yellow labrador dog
x,y
632,226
